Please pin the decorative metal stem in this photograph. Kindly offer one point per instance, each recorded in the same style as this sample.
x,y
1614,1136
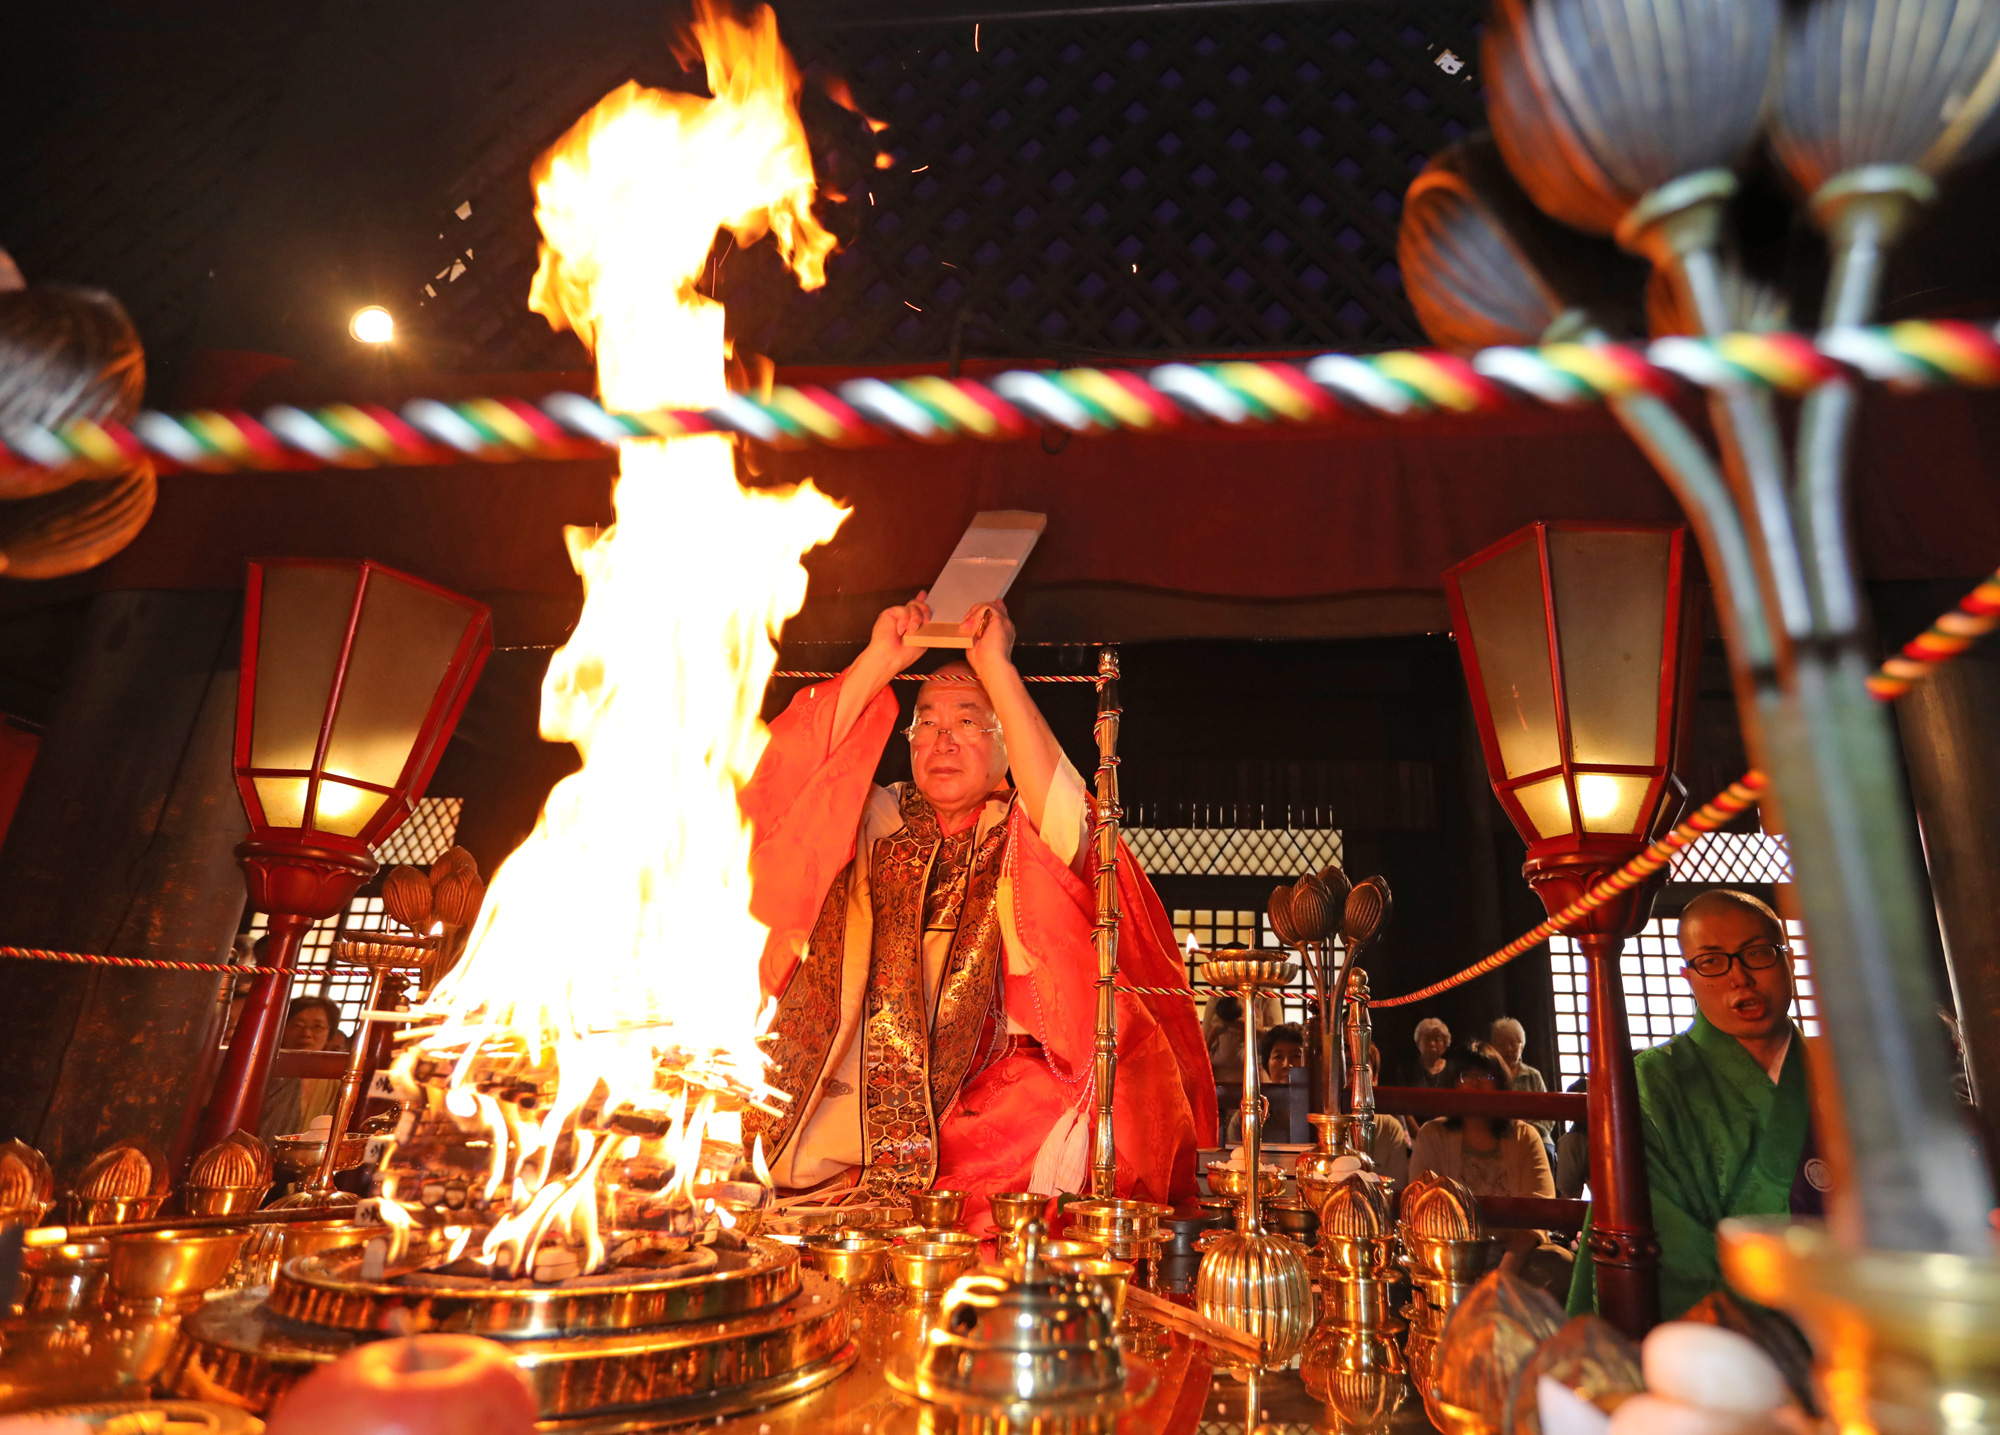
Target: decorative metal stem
x,y
350,1087
1248,1212
1104,1162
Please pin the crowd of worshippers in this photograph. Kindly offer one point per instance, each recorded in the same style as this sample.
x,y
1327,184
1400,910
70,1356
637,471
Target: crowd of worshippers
x,y
1725,1107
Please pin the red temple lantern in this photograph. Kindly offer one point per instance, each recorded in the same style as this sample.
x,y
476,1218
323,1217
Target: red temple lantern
x,y
353,678
1580,643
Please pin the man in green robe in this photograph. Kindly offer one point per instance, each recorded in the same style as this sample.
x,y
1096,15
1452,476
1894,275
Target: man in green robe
x,y
1725,1105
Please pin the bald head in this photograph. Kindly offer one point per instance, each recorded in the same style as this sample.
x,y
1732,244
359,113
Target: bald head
x,y
1724,900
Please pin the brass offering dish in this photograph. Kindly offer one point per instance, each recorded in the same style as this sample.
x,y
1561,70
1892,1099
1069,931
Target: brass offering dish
x,y
940,1210
172,1270
851,1258
300,1155
61,1282
1029,1348
1012,1210
930,1267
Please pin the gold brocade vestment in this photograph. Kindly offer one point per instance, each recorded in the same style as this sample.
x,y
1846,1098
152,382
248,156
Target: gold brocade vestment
x,y
920,1042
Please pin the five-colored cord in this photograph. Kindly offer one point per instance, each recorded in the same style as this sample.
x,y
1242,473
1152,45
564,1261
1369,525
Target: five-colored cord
x,y
1021,403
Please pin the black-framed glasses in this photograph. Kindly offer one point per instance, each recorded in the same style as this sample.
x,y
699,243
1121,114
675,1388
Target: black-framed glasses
x,y
1757,957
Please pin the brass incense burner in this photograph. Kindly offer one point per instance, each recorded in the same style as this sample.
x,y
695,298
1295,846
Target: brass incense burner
x,y
1031,1347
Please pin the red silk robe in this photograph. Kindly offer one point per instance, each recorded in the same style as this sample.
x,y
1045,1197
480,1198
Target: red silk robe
x,y
805,805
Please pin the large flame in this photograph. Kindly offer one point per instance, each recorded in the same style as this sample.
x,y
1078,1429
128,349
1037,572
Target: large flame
x,y
616,947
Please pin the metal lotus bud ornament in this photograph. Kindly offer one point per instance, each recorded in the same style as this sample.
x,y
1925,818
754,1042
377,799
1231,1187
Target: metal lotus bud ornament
x,y
1489,1338
1439,1208
1587,1356
406,896
231,1176
27,1185
126,1181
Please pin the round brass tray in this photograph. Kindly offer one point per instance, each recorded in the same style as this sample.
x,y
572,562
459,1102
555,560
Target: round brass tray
x,y
326,1290
237,1351
164,1417
904,1378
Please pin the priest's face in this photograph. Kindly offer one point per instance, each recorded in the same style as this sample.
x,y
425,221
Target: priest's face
x,y
1745,1000
957,754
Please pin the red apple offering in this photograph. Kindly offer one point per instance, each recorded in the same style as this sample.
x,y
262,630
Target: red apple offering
x,y
422,1385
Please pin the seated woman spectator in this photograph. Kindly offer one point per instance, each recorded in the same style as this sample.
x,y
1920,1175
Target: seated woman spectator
x,y
291,1102
1493,1156
1278,1051
1433,1041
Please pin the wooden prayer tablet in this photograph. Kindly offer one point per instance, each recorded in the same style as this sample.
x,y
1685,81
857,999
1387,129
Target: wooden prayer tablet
x,y
981,570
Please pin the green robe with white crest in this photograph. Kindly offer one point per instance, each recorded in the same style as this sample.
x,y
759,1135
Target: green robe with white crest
x,y
1722,1139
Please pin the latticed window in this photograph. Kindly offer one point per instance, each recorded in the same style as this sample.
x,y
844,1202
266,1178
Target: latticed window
x,y
1277,852
427,836
1732,859
1658,1001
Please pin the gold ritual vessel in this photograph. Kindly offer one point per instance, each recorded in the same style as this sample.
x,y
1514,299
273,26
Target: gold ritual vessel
x,y
1249,1280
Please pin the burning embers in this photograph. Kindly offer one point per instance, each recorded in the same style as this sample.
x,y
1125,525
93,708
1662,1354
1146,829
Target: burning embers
x,y
582,1072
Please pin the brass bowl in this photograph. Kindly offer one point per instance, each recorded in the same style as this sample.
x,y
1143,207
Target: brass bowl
x,y
172,1267
1247,971
1454,1419
63,1280
298,1156
1115,1217
1014,1209
853,1260
925,1235
940,1210
223,1200
1110,1277
930,1266
113,1210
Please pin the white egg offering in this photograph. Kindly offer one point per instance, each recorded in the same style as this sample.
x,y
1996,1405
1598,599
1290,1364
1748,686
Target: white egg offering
x,y
1704,1380
1713,1368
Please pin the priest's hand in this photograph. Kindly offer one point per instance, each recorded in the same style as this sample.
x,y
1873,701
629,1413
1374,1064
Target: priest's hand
x,y
888,642
992,634
888,653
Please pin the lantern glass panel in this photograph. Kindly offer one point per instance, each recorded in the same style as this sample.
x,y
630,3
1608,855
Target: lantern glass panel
x,y
283,800
345,809
1611,801
403,647
1610,591
1510,635
1547,805
301,627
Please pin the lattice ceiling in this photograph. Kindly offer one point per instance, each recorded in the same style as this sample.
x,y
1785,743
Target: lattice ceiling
x,y
1198,179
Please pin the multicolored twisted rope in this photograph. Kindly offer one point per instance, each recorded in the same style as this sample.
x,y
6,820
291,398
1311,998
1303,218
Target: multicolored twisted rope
x,y
1726,804
925,677
39,954
1018,404
1977,614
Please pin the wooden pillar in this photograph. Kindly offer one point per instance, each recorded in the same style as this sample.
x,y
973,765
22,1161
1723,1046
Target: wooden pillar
x,y
1622,1242
124,844
1951,743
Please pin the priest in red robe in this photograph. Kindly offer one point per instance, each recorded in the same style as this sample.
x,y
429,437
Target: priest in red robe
x,y
930,949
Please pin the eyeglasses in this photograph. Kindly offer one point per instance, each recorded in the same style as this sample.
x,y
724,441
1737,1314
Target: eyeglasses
x,y
1756,957
924,731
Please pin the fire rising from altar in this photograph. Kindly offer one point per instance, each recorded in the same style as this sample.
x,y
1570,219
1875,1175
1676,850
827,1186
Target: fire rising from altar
x,y
583,1071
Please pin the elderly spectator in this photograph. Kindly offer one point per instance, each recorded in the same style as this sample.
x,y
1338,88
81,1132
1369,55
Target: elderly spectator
x,y
1505,1040
1433,1041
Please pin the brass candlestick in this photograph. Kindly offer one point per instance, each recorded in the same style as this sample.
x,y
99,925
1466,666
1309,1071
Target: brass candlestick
x,y
1250,1281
